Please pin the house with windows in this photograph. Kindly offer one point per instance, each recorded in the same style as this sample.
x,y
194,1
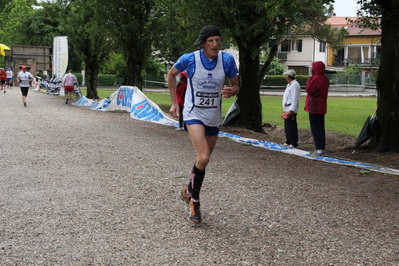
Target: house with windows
x,y
361,46
298,52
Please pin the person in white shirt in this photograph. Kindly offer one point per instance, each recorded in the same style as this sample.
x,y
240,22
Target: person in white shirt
x,y
68,83
9,77
290,107
24,78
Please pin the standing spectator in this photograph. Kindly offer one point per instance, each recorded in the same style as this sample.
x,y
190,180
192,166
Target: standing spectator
x,y
316,105
68,83
9,77
206,70
290,107
180,94
24,78
3,79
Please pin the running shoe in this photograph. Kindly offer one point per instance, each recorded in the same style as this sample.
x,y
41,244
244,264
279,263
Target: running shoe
x,y
185,195
25,104
316,154
195,214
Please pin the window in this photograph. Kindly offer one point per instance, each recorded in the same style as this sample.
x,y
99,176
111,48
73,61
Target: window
x,y
291,46
296,46
285,46
322,47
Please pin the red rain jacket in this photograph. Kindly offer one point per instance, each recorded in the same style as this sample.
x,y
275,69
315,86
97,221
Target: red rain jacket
x,y
317,90
181,92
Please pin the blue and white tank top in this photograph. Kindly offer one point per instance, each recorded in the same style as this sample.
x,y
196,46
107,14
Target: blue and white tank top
x,y
203,96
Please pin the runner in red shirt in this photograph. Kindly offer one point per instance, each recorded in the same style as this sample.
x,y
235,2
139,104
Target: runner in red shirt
x,y
3,79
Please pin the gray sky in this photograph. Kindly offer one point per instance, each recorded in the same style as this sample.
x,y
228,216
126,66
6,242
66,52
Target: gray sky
x,y
345,8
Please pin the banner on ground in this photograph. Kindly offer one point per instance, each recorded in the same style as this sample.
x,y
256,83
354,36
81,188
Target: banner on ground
x,y
132,100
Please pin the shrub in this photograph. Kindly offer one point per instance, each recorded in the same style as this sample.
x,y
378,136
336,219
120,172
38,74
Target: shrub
x,y
106,80
279,80
79,77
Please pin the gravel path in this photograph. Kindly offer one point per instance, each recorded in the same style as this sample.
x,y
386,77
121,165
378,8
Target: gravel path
x,y
83,187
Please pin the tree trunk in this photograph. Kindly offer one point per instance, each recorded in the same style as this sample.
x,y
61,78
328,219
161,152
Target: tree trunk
x,y
91,82
387,139
248,100
134,68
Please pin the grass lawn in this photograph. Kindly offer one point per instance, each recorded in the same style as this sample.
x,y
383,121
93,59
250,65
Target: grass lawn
x,y
345,115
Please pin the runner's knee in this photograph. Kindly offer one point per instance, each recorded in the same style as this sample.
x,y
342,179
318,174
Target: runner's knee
x,y
202,161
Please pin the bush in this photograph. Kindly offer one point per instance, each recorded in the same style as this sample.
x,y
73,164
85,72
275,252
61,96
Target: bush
x,y
79,77
279,80
106,80
103,79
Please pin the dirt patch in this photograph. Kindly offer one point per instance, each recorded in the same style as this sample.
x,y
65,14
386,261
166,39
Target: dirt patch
x,y
338,146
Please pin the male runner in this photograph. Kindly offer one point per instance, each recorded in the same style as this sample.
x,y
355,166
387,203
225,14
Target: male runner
x,y
206,70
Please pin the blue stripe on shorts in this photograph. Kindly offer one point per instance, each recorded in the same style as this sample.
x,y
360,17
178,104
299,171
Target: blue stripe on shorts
x,y
209,131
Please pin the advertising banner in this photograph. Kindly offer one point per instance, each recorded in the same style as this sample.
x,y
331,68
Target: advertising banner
x,y
60,56
132,100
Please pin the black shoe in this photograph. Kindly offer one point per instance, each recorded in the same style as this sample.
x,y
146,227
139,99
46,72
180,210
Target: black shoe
x,y
66,102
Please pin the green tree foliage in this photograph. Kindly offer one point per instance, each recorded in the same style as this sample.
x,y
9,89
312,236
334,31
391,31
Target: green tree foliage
x,y
275,67
129,25
176,31
153,67
13,27
115,64
42,25
384,14
85,28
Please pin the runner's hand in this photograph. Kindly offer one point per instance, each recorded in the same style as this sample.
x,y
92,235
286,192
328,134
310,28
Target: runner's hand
x,y
227,92
174,110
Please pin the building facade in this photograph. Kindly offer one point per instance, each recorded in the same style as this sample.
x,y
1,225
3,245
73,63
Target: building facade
x,y
361,47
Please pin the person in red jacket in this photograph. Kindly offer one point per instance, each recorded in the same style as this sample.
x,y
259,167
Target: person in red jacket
x,y
180,94
316,105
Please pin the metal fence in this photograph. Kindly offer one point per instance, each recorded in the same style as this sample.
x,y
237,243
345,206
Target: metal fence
x,y
344,78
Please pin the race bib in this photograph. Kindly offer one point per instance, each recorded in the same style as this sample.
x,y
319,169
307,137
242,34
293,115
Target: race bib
x,y
208,94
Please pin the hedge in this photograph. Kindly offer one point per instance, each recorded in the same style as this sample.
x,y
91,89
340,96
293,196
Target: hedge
x,y
106,80
79,77
103,79
279,80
